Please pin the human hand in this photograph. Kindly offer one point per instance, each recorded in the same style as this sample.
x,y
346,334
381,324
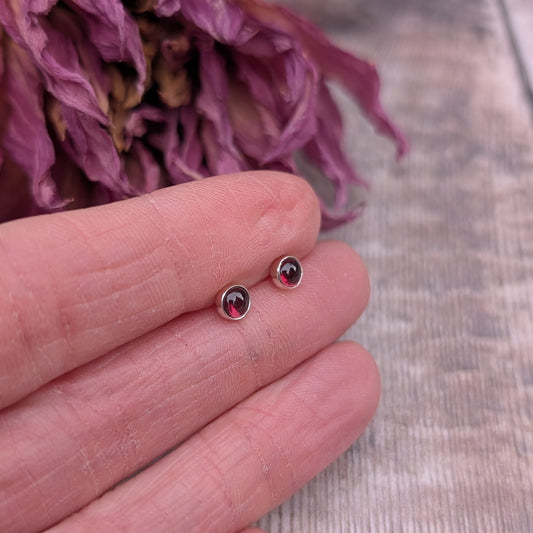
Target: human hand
x,y
111,354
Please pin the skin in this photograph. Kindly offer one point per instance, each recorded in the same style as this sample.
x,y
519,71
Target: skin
x,y
112,354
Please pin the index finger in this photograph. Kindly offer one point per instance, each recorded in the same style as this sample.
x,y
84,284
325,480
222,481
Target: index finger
x,y
78,284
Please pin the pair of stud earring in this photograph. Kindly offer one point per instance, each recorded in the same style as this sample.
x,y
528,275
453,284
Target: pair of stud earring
x,y
233,301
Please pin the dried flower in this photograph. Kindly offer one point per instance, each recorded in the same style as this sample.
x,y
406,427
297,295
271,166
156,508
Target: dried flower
x,y
104,100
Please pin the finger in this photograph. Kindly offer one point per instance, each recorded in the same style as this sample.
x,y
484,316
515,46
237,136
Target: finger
x,y
94,427
252,458
79,284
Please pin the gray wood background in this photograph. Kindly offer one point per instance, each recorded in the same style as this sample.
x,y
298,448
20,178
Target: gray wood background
x,y
448,238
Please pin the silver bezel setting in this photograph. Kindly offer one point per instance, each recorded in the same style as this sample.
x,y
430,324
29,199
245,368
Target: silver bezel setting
x,y
275,272
221,297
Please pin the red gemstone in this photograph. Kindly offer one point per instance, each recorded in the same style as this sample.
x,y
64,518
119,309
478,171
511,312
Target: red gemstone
x,y
290,272
236,302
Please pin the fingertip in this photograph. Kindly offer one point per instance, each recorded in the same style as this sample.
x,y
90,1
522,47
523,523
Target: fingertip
x,y
294,194
347,267
363,277
365,379
358,271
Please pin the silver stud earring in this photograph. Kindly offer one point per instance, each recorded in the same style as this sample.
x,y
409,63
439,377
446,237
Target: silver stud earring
x,y
286,272
233,302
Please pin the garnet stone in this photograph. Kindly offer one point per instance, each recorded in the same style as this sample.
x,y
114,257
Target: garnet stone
x,y
288,272
234,302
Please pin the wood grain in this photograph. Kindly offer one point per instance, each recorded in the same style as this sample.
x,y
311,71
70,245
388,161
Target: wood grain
x,y
518,15
448,238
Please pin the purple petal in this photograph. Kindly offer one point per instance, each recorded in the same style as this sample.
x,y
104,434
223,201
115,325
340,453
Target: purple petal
x,y
219,161
90,62
220,19
267,43
13,16
55,56
2,68
167,8
287,114
142,170
285,164
92,148
191,152
325,150
115,34
183,154
211,103
75,186
259,78
256,129
139,121
358,76
16,200
26,126
302,79
332,219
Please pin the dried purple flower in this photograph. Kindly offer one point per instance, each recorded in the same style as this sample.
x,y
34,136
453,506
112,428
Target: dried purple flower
x,y
105,100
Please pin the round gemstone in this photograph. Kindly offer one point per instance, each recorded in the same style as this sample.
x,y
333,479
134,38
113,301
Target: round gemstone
x,y
290,272
236,302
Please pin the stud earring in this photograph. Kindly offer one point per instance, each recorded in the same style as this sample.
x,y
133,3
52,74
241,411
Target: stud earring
x,y
286,272
233,302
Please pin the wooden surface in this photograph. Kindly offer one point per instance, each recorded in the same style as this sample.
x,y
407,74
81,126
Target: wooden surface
x,y
448,238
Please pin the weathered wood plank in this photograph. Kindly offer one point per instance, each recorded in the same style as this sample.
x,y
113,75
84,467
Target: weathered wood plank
x,y
448,238
519,15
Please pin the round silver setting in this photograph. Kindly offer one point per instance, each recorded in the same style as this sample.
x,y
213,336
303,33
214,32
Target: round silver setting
x,y
233,302
279,275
